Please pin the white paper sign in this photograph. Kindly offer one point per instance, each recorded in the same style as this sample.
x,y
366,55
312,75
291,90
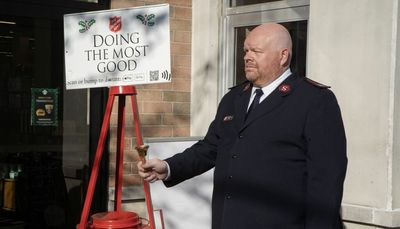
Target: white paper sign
x,y
117,47
188,204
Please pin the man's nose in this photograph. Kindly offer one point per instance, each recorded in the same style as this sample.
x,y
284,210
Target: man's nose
x,y
247,57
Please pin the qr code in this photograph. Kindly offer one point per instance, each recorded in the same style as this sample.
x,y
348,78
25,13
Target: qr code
x,y
154,75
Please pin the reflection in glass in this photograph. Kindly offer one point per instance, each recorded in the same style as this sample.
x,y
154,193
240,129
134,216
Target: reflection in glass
x,y
47,164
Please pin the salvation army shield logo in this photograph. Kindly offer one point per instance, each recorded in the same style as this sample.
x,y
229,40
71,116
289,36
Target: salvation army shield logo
x,y
115,24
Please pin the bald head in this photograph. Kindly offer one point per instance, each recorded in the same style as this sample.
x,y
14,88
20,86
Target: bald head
x,y
275,35
268,50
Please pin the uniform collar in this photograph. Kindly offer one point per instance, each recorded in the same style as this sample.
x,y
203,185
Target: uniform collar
x,y
268,89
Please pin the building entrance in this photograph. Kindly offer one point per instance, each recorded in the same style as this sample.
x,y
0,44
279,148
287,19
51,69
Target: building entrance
x,y
47,134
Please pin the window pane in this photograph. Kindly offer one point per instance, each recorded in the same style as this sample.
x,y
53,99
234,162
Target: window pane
x,y
248,2
298,31
43,167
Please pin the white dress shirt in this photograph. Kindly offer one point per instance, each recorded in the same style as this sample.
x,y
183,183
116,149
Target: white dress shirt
x,y
270,87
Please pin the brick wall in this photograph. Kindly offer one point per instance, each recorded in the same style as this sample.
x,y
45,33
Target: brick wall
x,y
164,108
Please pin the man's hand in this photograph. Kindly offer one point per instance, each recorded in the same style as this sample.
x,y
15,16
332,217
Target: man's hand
x,y
153,170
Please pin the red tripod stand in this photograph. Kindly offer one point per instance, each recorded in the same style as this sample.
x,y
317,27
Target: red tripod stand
x,y
117,218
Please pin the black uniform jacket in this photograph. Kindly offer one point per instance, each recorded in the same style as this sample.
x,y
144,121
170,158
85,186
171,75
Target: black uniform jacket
x,y
281,168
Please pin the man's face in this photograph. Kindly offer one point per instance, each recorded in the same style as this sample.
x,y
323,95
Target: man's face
x,y
262,59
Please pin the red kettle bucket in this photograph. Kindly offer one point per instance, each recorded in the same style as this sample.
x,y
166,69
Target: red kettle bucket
x,y
116,219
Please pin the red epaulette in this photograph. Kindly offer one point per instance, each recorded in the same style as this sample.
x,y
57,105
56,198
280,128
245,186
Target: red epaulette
x,y
315,83
246,85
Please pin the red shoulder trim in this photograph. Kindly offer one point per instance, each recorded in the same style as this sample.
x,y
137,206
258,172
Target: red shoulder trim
x,y
246,85
315,83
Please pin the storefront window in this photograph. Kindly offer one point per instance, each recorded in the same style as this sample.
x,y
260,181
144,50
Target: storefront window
x,y
34,192
46,134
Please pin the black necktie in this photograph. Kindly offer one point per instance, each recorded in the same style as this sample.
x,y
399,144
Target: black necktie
x,y
256,101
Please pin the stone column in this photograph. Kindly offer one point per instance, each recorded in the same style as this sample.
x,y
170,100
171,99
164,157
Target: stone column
x,y
204,97
353,46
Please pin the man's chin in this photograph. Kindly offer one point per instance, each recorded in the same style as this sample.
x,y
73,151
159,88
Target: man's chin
x,y
251,76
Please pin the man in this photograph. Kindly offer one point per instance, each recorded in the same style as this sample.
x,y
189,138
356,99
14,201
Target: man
x,y
278,165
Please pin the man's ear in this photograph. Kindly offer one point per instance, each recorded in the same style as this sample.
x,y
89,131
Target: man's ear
x,y
285,58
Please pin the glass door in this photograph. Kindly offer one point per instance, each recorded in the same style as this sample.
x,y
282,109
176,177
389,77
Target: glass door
x,y
48,135
243,18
